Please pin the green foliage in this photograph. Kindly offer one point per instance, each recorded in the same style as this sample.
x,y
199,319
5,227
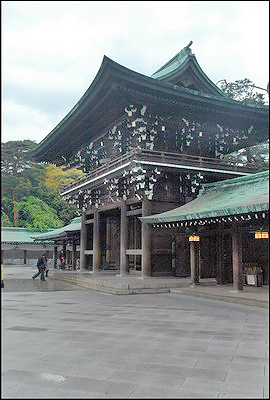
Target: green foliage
x,y
243,90
5,221
257,155
35,214
15,157
23,178
56,178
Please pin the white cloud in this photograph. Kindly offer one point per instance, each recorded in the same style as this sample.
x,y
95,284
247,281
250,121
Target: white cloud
x,y
51,51
21,122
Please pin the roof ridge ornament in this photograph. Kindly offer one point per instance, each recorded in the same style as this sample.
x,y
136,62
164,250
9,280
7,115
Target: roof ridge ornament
x,y
186,51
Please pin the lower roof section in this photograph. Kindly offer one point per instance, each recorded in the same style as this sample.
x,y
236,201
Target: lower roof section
x,y
241,195
15,235
74,226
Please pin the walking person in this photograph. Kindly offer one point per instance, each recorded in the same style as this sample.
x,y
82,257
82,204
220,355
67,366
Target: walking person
x,y
62,260
41,264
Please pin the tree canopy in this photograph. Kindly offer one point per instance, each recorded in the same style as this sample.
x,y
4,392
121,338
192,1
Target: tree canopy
x,y
243,90
24,180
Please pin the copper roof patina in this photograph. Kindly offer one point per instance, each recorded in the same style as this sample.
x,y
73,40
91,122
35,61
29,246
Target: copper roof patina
x,y
241,195
75,225
104,101
16,235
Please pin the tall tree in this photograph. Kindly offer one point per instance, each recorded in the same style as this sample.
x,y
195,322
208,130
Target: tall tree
x,y
243,90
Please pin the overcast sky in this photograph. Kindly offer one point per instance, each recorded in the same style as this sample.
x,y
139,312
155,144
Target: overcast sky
x,y
51,51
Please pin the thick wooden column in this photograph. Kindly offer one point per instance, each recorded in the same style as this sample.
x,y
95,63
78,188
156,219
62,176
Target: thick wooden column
x,y
73,255
194,262
83,246
24,256
146,239
65,251
55,256
220,257
237,258
123,240
173,256
96,242
108,240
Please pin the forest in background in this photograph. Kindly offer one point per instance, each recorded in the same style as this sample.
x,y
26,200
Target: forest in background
x,y
30,190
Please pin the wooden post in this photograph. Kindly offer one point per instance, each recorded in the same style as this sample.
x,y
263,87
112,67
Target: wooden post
x,y
194,262
220,278
108,240
146,240
55,256
237,259
96,244
173,256
123,240
83,240
65,252
24,256
73,255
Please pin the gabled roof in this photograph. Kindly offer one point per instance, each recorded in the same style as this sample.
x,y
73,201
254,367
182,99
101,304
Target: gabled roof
x,y
105,99
183,69
75,225
242,195
16,235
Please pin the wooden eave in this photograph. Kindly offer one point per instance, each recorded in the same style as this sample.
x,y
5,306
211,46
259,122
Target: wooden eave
x,y
102,103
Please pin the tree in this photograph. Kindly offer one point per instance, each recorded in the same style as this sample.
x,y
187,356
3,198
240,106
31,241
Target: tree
x,y
36,215
243,90
15,157
5,221
257,155
57,178
22,177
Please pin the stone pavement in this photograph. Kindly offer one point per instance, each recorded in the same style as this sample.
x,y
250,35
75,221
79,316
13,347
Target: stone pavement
x,y
81,343
109,282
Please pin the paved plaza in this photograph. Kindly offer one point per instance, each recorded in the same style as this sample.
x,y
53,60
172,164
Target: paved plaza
x,y
65,341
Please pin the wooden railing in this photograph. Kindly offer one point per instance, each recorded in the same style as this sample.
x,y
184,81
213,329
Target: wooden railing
x,y
166,158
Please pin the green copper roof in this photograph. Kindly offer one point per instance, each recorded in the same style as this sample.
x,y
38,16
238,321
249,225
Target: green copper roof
x,y
75,225
173,63
229,197
16,235
180,63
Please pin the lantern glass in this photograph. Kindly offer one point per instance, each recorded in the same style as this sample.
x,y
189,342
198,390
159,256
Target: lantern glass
x,y
261,235
194,238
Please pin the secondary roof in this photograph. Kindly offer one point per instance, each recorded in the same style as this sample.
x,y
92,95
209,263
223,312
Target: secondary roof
x,y
75,225
242,195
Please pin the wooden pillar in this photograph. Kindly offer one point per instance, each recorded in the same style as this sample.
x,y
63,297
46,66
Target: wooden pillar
x,y
173,256
237,258
220,278
96,242
194,262
73,255
65,252
83,241
55,256
108,240
24,256
146,240
123,240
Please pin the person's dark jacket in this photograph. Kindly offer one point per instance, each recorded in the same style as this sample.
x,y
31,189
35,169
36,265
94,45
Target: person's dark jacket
x,y
41,263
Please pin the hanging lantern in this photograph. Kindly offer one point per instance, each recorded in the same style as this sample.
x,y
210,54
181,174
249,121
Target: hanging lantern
x,y
194,238
261,235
